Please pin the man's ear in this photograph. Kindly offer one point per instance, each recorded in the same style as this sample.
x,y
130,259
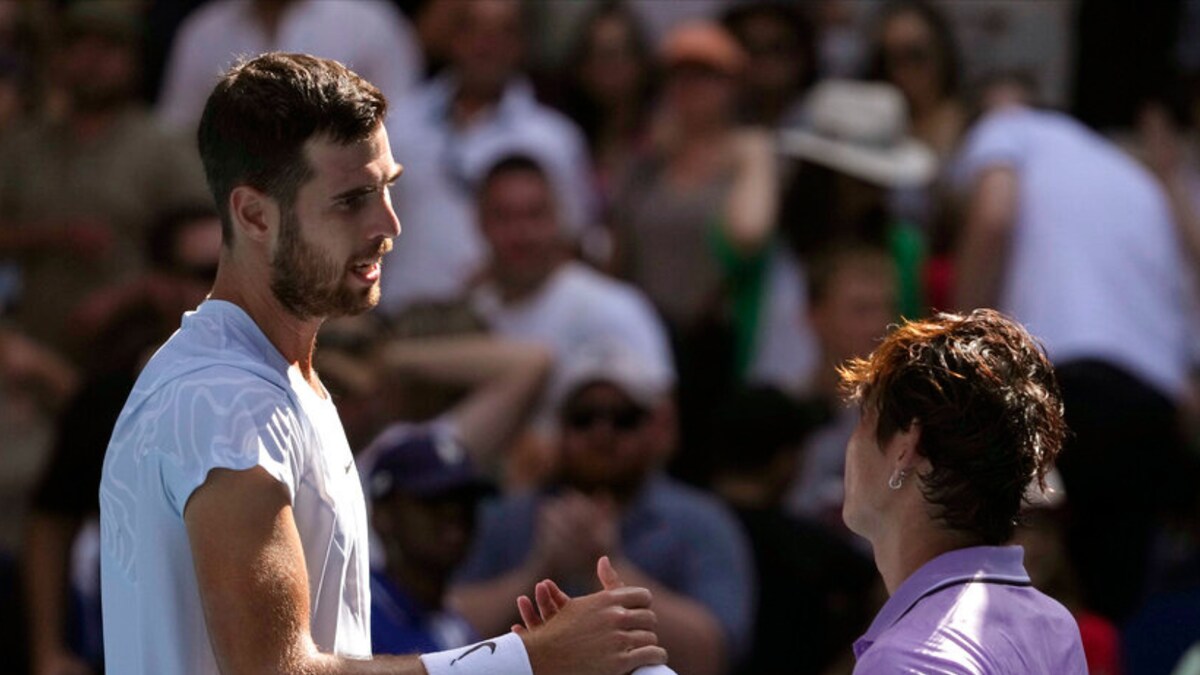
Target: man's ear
x,y
254,214
904,444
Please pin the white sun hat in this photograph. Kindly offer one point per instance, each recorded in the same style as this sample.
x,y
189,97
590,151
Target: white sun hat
x,y
860,129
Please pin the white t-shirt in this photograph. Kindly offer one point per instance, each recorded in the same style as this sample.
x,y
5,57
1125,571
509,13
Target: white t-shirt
x,y
371,37
219,395
1095,268
578,307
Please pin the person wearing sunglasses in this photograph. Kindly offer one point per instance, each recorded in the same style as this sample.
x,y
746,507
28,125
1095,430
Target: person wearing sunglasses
x,y
611,497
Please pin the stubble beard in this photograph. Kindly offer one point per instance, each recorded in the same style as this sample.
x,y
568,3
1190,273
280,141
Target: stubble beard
x,y
308,284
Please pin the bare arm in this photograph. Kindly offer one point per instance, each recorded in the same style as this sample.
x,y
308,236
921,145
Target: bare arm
x,y
751,208
47,549
505,379
254,589
253,582
983,254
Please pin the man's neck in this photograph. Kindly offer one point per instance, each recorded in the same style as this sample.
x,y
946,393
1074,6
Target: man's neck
x,y
427,587
471,103
293,337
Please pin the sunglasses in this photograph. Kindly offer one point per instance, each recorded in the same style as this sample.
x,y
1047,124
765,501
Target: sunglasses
x,y
622,418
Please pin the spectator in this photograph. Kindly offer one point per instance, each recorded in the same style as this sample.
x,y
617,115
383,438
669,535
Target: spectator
x,y
450,131
851,300
424,495
814,587
78,194
534,291
781,48
611,498
915,50
1076,240
609,94
370,36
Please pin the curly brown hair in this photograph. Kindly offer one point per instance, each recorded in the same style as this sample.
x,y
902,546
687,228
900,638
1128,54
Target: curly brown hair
x,y
989,409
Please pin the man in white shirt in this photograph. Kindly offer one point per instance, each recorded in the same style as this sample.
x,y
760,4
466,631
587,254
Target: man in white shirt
x,y
533,290
233,526
370,36
1075,240
451,131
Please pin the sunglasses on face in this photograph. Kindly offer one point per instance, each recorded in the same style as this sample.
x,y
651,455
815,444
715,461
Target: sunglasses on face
x,y
620,418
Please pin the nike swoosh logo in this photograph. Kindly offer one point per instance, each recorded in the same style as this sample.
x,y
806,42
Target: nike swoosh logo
x,y
349,466
489,644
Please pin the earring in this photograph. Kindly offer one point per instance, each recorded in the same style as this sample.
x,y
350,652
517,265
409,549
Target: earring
x,y
897,480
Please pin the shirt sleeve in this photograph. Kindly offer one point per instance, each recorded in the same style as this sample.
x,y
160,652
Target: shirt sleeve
x,y
997,140
227,419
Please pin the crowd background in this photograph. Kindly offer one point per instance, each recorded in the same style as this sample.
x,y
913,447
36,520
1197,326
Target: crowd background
x,y
638,239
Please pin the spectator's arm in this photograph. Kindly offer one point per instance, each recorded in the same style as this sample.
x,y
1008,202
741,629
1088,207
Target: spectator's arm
x,y
48,539
504,379
752,206
24,361
982,256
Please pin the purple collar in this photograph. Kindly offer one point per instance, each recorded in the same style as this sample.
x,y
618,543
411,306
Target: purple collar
x,y
978,564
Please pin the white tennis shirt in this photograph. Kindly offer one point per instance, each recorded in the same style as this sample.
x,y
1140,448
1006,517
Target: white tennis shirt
x,y
219,395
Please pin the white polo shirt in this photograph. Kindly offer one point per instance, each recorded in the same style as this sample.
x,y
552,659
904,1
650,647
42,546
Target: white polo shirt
x,y
219,395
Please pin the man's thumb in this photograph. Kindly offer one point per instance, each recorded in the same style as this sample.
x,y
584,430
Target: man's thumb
x,y
608,576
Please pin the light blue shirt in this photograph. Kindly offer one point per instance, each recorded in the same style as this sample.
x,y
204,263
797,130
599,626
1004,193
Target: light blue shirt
x,y
972,611
219,395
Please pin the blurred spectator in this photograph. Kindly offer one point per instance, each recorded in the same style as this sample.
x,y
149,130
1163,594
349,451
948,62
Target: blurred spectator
x,y
534,291
612,499
781,47
915,50
693,219
78,194
851,300
130,320
814,588
424,494
1076,240
449,132
370,36
1042,535
853,148
609,93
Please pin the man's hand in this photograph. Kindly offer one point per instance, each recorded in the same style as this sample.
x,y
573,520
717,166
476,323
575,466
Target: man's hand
x,y
572,531
606,633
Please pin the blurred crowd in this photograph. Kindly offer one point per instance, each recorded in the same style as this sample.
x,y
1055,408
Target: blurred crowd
x,y
639,238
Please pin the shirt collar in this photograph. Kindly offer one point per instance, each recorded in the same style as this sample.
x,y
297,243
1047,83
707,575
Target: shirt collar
x,y
995,564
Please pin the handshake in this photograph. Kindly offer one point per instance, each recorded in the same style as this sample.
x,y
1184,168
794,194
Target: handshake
x,y
611,632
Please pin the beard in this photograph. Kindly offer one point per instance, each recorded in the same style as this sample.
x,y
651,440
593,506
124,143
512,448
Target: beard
x,y
309,284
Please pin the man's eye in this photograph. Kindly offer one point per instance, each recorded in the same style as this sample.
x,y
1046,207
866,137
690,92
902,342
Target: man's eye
x,y
352,203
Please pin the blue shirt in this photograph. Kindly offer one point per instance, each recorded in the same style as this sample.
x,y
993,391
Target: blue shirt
x,y
679,536
972,611
401,625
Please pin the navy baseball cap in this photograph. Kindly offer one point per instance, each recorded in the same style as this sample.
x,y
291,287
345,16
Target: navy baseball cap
x,y
422,463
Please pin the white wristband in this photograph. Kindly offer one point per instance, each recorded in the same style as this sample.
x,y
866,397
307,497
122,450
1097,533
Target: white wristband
x,y
504,655
654,670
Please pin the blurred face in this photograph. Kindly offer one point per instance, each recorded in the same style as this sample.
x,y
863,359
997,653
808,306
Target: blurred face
x,y
487,49
868,469
98,71
327,255
700,96
431,534
605,446
776,64
517,215
910,58
611,71
855,312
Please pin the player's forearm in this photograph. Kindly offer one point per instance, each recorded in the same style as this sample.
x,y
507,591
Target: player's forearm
x,y
324,664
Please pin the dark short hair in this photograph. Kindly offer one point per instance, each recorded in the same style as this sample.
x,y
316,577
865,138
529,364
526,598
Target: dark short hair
x,y
262,112
950,73
515,162
989,409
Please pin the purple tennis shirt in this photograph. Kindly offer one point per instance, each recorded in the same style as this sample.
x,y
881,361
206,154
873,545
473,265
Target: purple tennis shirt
x,y
972,610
